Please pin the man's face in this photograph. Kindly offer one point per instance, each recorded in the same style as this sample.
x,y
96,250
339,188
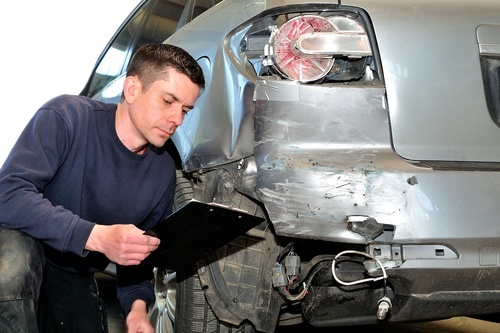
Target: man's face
x,y
157,112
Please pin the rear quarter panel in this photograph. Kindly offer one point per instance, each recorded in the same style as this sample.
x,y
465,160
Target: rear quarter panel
x,y
431,63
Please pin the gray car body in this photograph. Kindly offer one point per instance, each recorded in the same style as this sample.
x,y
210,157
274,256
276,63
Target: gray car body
x,y
324,153
416,150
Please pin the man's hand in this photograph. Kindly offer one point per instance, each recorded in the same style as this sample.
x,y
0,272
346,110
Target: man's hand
x,y
138,319
124,244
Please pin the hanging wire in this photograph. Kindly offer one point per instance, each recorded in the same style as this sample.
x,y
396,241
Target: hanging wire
x,y
384,273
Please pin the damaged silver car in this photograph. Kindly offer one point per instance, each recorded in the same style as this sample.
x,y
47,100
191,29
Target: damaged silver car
x,y
367,134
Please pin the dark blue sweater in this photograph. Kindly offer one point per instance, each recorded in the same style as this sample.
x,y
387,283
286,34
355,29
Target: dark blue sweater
x,y
69,171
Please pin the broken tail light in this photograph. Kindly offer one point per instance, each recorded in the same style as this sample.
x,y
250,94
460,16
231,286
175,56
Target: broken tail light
x,y
320,43
304,47
290,59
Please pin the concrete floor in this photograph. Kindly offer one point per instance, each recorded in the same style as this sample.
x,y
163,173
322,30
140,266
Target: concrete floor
x,y
455,325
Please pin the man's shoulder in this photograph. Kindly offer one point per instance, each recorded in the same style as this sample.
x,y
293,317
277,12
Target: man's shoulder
x,y
76,101
77,107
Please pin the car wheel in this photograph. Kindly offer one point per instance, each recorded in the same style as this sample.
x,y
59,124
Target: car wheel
x,y
162,313
194,315
180,305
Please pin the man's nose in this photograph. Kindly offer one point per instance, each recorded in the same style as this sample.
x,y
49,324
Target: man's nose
x,y
177,117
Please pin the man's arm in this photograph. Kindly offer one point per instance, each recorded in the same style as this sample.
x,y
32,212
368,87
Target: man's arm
x,y
29,168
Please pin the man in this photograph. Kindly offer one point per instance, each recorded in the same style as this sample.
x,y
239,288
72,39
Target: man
x,y
81,185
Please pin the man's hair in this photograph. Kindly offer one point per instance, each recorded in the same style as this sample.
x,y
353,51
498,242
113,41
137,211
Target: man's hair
x,y
151,61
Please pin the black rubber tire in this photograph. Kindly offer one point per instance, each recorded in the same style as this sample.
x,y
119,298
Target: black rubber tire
x,y
192,312
183,191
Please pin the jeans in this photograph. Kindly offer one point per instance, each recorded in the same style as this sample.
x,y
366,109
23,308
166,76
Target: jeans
x,y
21,267
36,297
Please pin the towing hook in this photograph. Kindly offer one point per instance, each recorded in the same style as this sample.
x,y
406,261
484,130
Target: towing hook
x,y
384,305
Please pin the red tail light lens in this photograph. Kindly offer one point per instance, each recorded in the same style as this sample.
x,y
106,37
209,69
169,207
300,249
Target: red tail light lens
x,y
305,47
291,62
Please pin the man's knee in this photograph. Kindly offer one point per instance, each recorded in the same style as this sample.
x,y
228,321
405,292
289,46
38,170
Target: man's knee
x,y
21,265
18,316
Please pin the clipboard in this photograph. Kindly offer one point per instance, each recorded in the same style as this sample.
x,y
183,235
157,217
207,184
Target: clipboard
x,y
196,230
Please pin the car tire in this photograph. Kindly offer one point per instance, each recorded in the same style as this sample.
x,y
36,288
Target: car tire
x,y
192,312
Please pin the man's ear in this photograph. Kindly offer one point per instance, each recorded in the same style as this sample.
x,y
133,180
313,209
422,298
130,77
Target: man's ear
x,y
131,87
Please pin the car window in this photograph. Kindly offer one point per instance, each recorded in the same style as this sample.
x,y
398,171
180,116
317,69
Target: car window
x,y
202,5
114,60
153,21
